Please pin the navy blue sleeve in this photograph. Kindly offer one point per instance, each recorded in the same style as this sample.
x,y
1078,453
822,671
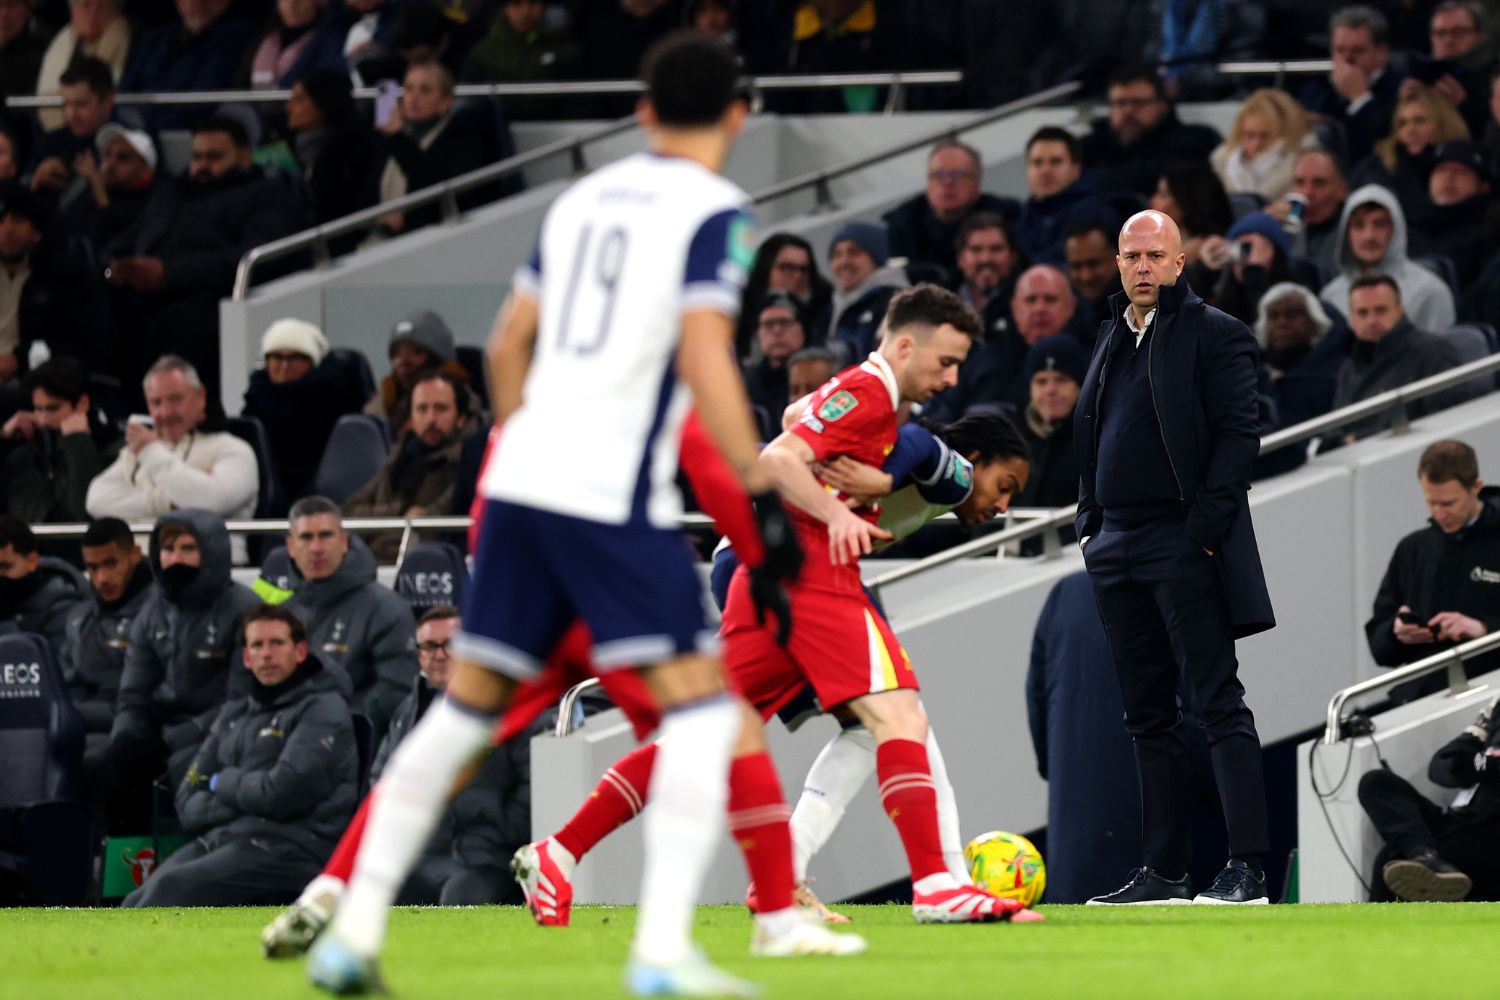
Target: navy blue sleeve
x,y
942,476
718,262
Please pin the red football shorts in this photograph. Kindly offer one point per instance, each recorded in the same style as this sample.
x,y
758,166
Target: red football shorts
x,y
569,665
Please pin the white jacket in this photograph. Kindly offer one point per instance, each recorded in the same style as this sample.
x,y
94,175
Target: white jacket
x,y
214,471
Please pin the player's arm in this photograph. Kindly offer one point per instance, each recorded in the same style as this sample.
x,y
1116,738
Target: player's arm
x,y
788,460
705,360
509,351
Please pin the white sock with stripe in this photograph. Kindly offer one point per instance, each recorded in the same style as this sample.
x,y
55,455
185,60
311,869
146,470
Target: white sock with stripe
x,y
841,769
947,809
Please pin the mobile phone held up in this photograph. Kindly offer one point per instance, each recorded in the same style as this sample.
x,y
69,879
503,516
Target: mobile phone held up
x,y
387,93
1411,618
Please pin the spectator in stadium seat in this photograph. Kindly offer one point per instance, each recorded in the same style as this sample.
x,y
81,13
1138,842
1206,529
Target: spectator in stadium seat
x,y
784,263
1402,160
840,36
1318,177
418,477
780,334
1060,195
273,784
1055,367
1458,218
1090,253
1361,90
304,35
1462,60
1192,196
467,860
1239,266
1074,708
1434,852
1372,239
95,29
202,48
182,459
52,303
418,343
924,228
988,261
93,656
60,446
23,42
9,153
122,177
354,623
1442,574
614,34
88,96
299,394
37,592
806,371
171,268
369,37
336,151
1389,351
184,645
1302,348
1128,150
863,285
1268,134
528,42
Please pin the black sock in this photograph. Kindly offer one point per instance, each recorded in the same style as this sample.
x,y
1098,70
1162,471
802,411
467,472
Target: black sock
x,y
1172,875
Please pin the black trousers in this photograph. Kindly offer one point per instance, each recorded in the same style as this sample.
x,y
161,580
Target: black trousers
x,y
252,871
1162,601
1407,820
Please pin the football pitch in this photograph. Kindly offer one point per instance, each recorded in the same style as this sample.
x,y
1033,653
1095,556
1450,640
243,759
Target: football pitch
x,y
1394,950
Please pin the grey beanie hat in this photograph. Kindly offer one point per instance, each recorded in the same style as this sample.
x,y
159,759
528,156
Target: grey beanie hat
x,y
425,329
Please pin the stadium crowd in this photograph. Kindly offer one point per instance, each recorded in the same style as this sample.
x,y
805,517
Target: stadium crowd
x,y
1350,221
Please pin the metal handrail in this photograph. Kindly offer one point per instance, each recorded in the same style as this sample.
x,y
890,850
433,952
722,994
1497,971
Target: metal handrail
x,y
358,525
1059,518
580,88
444,191
1451,660
819,179
1274,67
565,706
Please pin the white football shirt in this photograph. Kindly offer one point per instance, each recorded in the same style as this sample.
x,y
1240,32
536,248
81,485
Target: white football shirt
x,y
622,255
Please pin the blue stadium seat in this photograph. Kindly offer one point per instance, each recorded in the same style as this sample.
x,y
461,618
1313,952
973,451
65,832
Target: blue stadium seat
x,y
356,451
47,838
432,573
271,501
357,365
1444,268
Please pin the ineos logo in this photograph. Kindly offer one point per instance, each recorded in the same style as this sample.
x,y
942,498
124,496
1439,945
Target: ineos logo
x,y
428,583
21,680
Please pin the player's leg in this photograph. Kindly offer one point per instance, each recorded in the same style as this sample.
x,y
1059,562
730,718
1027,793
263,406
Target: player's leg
x,y
950,831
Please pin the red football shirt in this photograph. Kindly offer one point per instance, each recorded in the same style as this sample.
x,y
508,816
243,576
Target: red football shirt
x,y
853,414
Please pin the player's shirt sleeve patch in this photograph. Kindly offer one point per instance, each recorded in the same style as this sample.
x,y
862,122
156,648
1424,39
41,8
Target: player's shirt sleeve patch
x,y
528,277
718,262
953,483
837,406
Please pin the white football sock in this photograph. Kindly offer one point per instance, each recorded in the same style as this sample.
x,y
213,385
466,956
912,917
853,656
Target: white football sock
x,y
947,810
839,772
412,794
561,856
688,795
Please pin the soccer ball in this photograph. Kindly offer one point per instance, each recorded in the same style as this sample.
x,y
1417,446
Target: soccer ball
x,y
1008,865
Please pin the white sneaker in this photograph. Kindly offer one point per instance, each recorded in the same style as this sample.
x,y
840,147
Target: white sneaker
x,y
296,928
804,935
694,976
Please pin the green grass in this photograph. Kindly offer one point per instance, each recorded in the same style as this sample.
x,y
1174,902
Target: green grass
x,y
1430,950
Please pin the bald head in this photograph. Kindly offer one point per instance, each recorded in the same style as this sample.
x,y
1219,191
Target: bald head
x,y
1043,303
1150,256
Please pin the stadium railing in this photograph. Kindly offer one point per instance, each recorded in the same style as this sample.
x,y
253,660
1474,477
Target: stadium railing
x,y
1450,660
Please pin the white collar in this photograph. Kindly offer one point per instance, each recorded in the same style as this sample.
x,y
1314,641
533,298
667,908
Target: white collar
x,y
880,367
1130,319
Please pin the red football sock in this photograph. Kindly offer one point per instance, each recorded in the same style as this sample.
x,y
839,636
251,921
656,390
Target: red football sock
x,y
758,819
341,864
909,798
615,801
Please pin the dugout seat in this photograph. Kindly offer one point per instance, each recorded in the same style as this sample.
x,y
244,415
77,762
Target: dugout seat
x,y
270,500
355,452
432,573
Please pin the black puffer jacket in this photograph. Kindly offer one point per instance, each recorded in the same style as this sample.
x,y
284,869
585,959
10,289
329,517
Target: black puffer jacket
x,y
1454,766
285,762
93,659
48,596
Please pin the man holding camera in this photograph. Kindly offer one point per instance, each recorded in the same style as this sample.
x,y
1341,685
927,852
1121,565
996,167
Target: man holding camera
x,y
1443,584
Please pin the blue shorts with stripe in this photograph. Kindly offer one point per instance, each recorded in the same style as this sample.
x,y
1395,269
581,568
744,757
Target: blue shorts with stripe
x,y
537,572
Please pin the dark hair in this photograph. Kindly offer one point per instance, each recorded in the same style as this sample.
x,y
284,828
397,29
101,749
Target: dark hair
x,y
1051,133
1374,281
690,79
272,613
1447,461
820,354
930,306
438,613
173,530
108,531
987,437
1361,16
962,147
16,534
760,280
1334,158
1200,195
1139,73
311,506
419,24
61,378
459,387
92,72
1082,227
231,127
980,221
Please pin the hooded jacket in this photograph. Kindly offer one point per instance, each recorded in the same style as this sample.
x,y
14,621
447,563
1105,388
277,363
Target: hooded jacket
x,y
184,646
44,601
286,765
361,628
1404,355
858,313
93,659
1432,571
1424,296
1136,167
